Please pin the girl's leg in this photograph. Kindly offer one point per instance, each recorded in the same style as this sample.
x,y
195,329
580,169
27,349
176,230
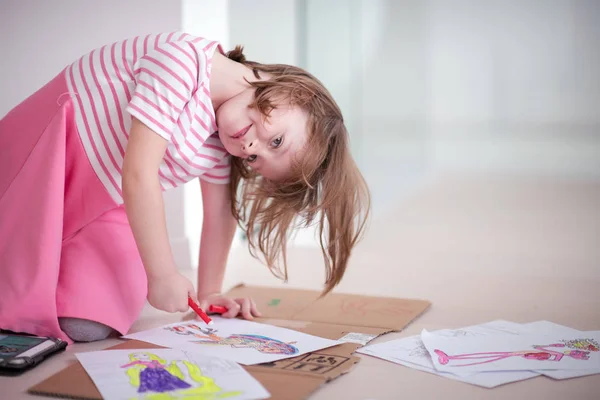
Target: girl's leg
x,y
484,362
480,355
102,278
84,330
32,170
48,193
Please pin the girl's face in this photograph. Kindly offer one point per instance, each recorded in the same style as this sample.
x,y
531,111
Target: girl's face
x,y
268,146
142,357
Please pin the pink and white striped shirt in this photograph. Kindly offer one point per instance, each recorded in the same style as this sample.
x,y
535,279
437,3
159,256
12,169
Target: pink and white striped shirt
x,y
162,80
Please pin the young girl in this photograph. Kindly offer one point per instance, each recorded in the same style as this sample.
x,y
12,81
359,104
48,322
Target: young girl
x,y
83,161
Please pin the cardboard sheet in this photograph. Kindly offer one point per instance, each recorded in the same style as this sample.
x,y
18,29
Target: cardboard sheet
x,y
336,308
332,317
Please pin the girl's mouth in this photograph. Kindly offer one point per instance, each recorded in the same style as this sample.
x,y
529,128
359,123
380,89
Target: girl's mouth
x,y
242,132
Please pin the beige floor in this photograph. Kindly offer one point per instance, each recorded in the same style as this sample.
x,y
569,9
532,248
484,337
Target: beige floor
x,y
480,248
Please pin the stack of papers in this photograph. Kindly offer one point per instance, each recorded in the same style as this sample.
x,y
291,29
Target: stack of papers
x,y
201,363
497,352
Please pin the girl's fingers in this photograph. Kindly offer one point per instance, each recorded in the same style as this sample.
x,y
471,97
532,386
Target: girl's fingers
x,y
254,309
246,308
233,308
203,304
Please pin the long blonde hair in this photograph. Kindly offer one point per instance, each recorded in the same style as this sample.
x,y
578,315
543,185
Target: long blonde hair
x,y
328,189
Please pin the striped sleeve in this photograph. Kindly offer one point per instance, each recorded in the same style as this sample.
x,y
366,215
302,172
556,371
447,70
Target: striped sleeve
x,y
165,79
219,173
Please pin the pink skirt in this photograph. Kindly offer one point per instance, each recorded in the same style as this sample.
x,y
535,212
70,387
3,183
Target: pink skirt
x,y
66,248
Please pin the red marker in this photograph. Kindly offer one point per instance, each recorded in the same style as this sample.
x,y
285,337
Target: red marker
x,y
217,309
199,311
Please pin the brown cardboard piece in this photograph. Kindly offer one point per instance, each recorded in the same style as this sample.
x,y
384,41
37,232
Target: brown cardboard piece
x,y
333,317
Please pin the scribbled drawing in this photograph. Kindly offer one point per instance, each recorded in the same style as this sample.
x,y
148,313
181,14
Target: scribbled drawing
x,y
156,379
218,366
540,353
419,351
361,308
262,344
179,329
459,332
582,344
274,302
188,329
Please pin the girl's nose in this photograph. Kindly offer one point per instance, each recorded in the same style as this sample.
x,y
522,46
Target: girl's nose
x,y
248,146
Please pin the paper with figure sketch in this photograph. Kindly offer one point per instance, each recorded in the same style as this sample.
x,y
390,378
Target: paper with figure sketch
x,y
410,352
551,328
150,374
414,352
238,340
513,352
547,327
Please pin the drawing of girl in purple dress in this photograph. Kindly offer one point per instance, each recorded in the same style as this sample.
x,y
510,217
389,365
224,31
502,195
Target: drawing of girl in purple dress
x,y
154,375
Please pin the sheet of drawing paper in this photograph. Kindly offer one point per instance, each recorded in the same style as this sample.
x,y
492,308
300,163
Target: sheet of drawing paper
x,y
550,328
411,348
512,352
137,374
545,326
238,340
411,353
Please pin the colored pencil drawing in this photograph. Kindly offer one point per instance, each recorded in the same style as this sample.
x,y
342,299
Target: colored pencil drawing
x,y
188,329
540,353
262,344
421,351
156,379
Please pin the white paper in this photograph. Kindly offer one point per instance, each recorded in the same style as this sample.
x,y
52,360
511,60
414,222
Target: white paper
x,y
551,328
357,337
512,352
411,353
149,373
238,340
547,327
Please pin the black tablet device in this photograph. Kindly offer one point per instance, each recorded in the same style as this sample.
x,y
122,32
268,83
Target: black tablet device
x,y
19,353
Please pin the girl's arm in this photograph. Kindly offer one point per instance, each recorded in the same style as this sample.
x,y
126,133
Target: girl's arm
x,y
218,228
131,364
167,289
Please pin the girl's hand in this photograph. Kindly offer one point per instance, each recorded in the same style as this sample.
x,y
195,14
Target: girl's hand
x,y
244,306
170,292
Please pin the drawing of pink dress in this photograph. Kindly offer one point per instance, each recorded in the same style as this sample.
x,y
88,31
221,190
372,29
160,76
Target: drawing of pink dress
x,y
66,248
540,353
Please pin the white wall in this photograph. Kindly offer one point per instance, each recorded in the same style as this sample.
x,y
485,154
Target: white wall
x,y
206,19
514,85
267,29
42,37
432,85
45,36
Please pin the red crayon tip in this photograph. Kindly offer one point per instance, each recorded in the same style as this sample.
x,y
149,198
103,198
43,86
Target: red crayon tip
x,y
217,309
199,311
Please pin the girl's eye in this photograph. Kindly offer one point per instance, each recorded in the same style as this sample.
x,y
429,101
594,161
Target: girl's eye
x,y
251,158
277,142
